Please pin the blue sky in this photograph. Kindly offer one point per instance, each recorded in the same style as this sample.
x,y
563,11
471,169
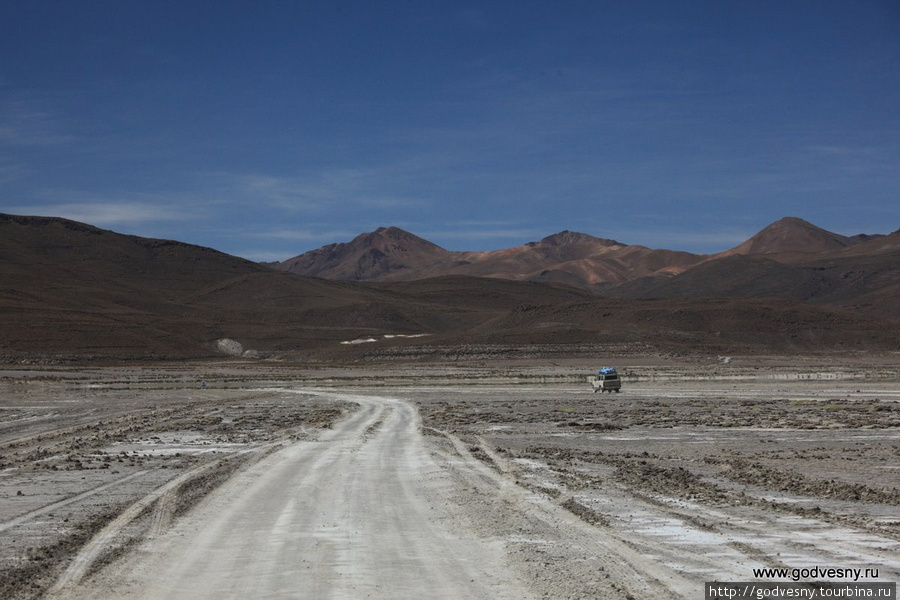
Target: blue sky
x,y
265,129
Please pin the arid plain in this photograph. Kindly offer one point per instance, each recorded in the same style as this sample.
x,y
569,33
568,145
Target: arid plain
x,y
506,479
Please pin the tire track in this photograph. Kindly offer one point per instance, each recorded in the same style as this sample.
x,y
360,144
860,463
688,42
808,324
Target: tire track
x,y
66,501
631,573
82,561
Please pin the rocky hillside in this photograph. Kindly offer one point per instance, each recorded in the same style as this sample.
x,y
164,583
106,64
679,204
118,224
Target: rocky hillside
x,y
386,253
391,254
790,258
70,291
856,273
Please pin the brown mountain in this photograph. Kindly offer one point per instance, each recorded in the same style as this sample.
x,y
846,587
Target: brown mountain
x,y
387,252
573,258
862,273
70,288
790,258
73,291
567,257
791,238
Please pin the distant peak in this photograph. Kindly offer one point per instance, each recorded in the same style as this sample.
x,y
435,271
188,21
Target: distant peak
x,y
392,235
791,234
573,237
793,222
794,225
391,230
388,232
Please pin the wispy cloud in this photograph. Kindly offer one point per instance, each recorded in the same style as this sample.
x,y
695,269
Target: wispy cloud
x,y
108,213
698,241
22,125
323,236
322,190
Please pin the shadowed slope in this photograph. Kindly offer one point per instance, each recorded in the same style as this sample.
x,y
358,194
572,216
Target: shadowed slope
x,y
864,276
69,287
72,290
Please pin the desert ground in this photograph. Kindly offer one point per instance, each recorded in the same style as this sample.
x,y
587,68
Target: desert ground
x,y
481,480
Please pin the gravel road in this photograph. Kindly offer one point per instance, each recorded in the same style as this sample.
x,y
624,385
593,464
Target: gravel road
x,y
521,492
356,514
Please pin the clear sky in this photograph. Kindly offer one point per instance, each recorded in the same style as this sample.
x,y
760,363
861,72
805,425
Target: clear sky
x,y
265,129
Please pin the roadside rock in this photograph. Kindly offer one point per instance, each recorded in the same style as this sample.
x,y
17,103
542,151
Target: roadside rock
x,y
229,346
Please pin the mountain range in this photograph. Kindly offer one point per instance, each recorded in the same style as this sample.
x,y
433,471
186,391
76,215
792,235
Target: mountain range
x,y
790,258
71,291
392,254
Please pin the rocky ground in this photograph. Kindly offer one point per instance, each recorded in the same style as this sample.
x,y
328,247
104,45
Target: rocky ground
x,y
79,448
693,473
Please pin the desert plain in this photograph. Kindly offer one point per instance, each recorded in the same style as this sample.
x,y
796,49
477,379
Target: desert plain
x,y
492,479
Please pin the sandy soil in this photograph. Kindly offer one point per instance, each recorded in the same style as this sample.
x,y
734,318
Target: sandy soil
x,y
478,482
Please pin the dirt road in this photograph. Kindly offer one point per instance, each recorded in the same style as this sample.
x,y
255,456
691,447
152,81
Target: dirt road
x,y
356,514
526,492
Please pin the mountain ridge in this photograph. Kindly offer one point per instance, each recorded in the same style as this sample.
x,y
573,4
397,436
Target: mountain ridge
x,y
580,258
72,291
790,258
569,257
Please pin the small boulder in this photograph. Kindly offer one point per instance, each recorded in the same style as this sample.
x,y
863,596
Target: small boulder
x,y
229,346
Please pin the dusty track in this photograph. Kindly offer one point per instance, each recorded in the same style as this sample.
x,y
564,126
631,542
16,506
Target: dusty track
x,y
357,514
516,492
